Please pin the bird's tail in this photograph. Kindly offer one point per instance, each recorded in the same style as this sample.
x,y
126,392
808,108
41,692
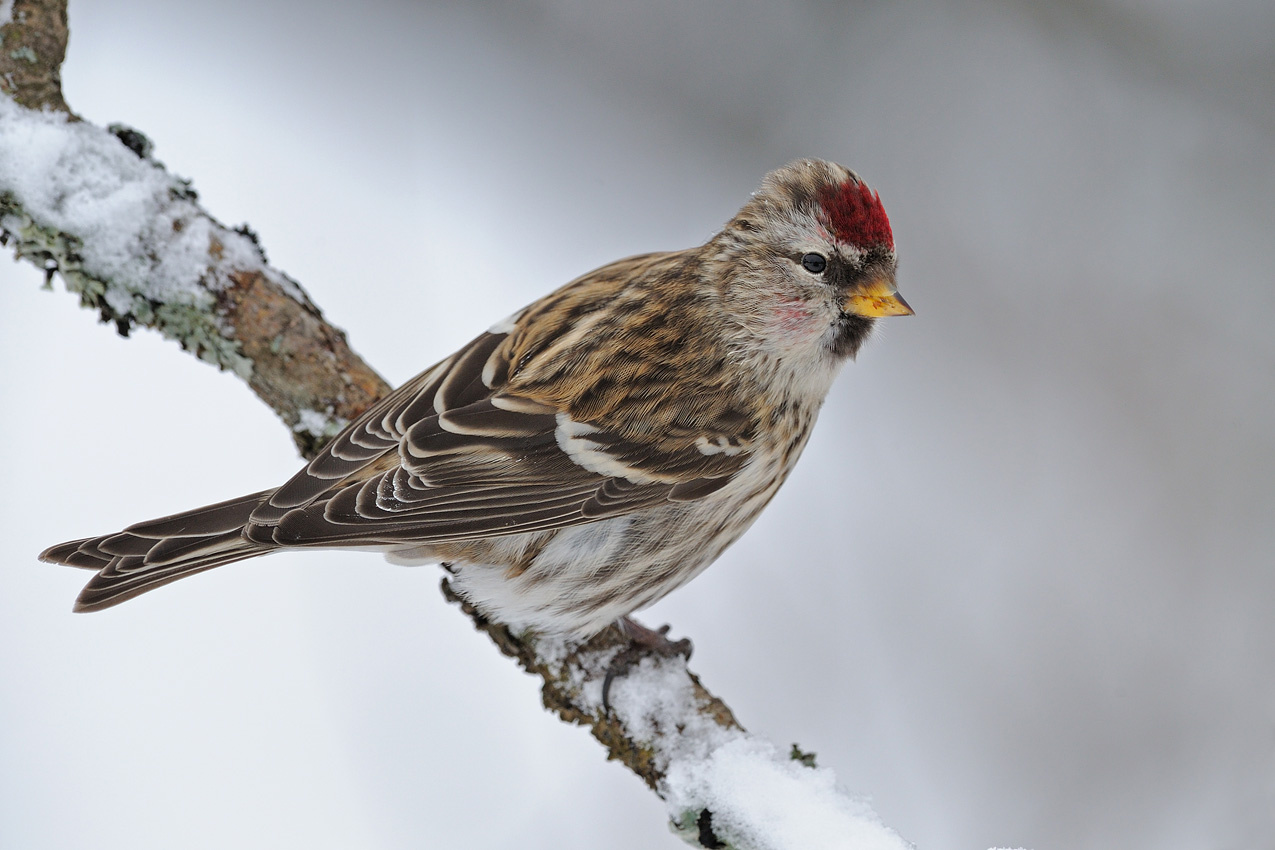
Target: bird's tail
x,y
149,554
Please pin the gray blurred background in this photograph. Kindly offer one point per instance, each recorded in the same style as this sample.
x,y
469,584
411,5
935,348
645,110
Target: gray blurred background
x,y
1019,591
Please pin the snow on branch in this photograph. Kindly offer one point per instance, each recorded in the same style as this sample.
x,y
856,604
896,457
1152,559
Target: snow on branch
x,y
723,787
93,206
131,239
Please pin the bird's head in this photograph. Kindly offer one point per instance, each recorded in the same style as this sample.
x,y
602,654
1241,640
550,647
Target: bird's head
x,y
813,262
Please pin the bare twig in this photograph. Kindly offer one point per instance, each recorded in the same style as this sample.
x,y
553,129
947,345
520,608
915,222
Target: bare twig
x,y
34,45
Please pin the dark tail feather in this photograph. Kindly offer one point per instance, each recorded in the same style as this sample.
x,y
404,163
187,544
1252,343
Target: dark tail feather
x,y
149,554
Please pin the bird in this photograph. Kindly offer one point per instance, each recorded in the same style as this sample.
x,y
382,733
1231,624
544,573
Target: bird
x,y
594,451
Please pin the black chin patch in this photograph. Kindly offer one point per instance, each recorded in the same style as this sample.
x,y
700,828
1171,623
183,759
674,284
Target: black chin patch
x,y
852,332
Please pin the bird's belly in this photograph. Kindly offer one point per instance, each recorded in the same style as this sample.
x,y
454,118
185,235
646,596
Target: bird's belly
x,y
582,578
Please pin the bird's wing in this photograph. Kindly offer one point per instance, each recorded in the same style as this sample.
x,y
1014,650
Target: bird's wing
x,y
455,454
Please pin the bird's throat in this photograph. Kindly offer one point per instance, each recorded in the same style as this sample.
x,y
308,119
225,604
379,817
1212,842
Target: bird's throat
x,y
851,332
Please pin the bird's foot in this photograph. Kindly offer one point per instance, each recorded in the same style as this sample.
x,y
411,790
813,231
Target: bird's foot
x,y
642,643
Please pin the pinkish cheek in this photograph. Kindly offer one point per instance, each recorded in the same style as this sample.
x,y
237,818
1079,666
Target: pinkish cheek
x,y
794,319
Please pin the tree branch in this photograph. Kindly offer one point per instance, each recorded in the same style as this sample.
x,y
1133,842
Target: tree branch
x,y
34,42
133,242
163,262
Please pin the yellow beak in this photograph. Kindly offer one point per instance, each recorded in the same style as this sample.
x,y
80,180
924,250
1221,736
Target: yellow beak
x,y
879,298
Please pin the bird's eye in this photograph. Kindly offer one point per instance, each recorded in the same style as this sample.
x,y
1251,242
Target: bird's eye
x,y
814,263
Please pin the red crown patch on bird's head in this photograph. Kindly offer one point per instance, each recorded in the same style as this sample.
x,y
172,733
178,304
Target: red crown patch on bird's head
x,y
854,214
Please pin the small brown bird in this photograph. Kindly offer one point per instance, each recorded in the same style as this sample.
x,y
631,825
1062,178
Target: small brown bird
x,y
593,451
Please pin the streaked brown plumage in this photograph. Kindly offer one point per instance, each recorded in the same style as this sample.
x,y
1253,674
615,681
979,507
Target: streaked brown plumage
x,y
597,449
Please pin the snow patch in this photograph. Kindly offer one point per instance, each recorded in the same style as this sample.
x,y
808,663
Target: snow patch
x,y
761,798
757,797
138,227
318,423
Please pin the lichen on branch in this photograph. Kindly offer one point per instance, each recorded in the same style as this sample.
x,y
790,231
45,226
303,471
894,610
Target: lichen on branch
x,y
93,206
